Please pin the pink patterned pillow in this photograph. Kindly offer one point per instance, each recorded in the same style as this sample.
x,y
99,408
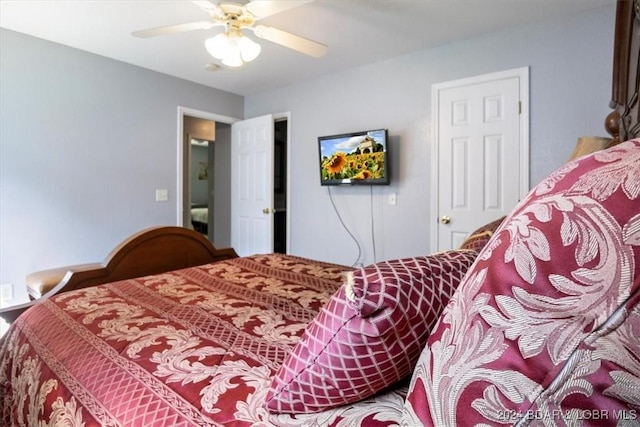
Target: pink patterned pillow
x,y
369,335
545,327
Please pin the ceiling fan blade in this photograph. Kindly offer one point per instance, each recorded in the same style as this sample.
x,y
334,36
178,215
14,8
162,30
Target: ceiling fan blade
x,y
172,29
263,8
292,41
212,9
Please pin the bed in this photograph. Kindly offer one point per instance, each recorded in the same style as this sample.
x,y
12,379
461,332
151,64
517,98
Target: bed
x,y
192,346
200,219
534,320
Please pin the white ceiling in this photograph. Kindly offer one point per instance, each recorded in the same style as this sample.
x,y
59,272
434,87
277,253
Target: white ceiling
x,y
357,32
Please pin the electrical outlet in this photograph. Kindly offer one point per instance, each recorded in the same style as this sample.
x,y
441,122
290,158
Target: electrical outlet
x,y
6,292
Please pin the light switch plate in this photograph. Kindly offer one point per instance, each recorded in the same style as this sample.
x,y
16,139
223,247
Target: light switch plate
x,y
162,195
392,198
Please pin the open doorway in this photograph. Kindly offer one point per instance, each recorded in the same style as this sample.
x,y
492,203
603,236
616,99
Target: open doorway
x,y
201,193
219,228
206,184
219,194
280,135
198,182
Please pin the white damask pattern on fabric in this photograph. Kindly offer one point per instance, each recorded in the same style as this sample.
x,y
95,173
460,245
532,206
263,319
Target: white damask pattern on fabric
x,y
192,347
544,329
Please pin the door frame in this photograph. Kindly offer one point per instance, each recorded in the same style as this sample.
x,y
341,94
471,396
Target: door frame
x,y
201,114
523,75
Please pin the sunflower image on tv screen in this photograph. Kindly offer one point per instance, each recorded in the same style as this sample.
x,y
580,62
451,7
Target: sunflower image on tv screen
x,y
359,158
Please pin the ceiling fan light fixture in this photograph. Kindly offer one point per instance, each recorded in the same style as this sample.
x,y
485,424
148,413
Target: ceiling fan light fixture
x,y
249,50
233,60
233,49
219,46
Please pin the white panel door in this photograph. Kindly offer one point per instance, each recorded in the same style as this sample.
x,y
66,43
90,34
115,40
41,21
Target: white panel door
x,y
479,156
252,186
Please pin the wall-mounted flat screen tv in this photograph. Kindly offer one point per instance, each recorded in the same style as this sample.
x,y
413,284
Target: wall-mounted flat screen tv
x,y
354,158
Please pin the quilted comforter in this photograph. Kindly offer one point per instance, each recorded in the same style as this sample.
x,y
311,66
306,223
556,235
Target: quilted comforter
x,y
197,346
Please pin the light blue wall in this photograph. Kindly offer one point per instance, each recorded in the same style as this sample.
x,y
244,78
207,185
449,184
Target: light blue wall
x,y
84,143
570,74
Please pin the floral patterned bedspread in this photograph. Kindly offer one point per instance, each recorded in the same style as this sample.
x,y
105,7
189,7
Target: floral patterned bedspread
x,y
193,347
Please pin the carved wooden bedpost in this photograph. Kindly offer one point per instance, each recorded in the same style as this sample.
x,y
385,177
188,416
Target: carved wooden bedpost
x,y
612,126
624,121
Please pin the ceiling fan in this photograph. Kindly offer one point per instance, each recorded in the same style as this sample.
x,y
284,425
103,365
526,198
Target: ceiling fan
x,y
232,46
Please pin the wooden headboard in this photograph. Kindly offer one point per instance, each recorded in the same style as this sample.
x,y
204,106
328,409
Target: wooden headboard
x,y
151,251
624,121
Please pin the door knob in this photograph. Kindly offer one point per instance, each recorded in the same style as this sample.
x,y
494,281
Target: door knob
x,y
445,219
266,210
